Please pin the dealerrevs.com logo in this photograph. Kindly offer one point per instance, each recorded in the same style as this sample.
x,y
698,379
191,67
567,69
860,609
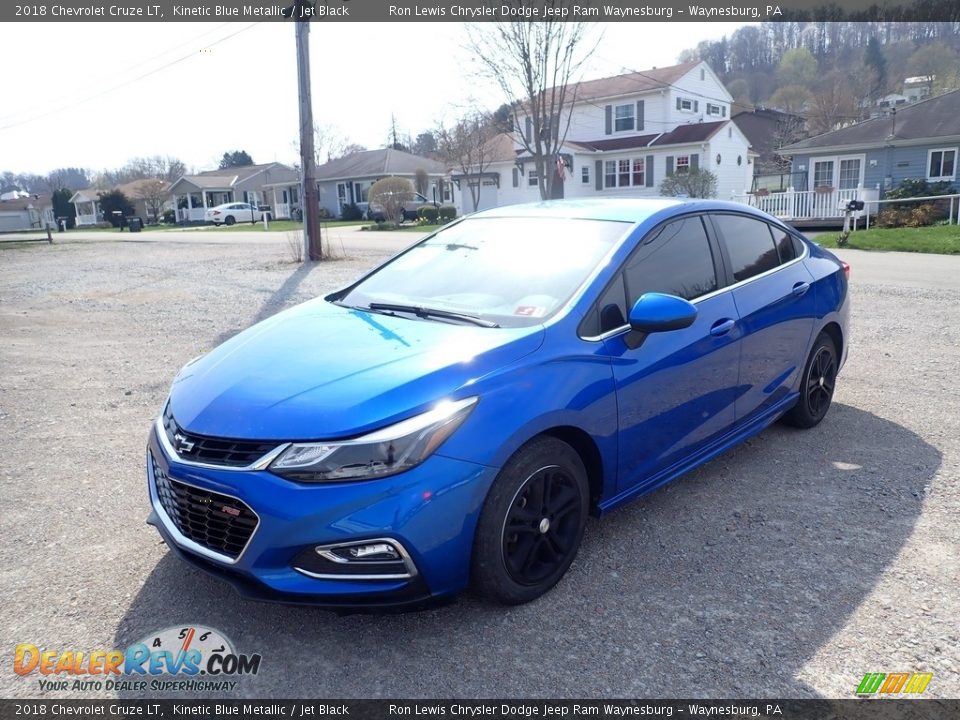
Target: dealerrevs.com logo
x,y
187,659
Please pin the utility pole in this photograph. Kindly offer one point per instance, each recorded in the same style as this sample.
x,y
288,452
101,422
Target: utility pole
x,y
302,12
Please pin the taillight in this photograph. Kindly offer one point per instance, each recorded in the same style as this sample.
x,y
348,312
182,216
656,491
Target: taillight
x,y
217,212
846,269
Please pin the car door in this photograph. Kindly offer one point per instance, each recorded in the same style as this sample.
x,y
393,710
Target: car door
x,y
774,297
676,390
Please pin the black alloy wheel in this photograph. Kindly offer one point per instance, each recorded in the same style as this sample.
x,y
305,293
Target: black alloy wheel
x,y
532,522
817,386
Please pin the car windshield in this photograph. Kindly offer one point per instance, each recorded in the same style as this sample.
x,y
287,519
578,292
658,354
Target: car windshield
x,y
501,271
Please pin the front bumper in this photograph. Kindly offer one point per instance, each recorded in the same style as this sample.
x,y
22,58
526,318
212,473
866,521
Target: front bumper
x,y
431,511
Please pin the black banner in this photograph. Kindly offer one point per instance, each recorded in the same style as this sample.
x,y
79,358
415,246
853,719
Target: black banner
x,y
472,709
481,10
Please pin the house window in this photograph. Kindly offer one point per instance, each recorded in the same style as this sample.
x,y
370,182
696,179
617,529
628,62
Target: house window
x,y
610,173
683,164
628,172
823,174
532,180
624,117
585,174
713,109
941,164
849,174
685,104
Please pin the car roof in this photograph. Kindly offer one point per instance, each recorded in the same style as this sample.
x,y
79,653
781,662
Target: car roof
x,y
632,210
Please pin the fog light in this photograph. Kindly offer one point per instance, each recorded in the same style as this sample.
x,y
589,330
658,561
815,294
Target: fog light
x,y
380,551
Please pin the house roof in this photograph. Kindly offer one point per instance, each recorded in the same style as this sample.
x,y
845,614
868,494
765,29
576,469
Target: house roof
x,y
633,82
40,200
370,163
240,173
935,117
222,179
134,188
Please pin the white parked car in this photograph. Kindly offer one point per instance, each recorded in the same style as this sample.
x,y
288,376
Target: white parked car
x,y
230,213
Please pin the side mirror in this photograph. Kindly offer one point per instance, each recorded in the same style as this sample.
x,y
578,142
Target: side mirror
x,y
659,312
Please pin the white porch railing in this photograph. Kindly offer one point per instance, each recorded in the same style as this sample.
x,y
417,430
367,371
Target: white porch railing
x,y
807,204
191,215
281,211
83,220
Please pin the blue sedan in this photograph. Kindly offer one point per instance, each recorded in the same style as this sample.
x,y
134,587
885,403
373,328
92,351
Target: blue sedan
x,y
453,417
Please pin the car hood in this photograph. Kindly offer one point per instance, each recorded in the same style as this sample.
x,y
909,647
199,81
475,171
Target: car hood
x,y
321,371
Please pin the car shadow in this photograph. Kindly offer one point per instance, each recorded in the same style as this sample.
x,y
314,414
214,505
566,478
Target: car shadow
x,y
722,584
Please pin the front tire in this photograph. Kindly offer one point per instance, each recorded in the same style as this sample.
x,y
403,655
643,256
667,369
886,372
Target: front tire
x,y
816,386
532,523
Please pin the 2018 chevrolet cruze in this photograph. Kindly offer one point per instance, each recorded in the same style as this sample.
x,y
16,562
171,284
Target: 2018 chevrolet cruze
x,y
451,418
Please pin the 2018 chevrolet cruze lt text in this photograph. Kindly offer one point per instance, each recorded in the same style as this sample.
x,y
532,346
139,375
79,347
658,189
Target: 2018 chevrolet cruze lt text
x,y
451,419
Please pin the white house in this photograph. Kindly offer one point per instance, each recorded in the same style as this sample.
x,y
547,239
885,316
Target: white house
x,y
625,135
22,211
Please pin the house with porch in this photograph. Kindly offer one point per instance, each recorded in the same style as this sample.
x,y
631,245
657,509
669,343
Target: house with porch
x,y
145,195
624,135
347,180
863,161
273,184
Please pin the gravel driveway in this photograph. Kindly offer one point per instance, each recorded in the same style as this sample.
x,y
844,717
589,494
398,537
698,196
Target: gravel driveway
x,y
788,567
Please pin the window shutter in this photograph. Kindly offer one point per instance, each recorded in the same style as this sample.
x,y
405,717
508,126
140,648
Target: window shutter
x,y
639,115
529,134
649,173
696,106
694,161
245,196
516,177
723,111
608,111
669,165
678,103
599,168
555,126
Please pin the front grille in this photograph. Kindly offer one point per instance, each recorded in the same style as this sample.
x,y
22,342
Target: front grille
x,y
211,450
218,522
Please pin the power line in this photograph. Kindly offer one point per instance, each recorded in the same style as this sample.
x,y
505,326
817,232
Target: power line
x,y
121,85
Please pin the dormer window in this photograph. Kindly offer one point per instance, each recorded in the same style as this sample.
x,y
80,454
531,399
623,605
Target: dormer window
x,y
624,117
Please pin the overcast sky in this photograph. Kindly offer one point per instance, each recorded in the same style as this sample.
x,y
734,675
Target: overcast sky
x,y
94,95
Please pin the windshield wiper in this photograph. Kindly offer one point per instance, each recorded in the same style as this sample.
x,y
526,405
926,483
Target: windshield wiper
x,y
425,312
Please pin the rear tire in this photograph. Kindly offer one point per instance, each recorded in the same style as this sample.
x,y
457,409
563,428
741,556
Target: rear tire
x,y
229,220
532,523
816,385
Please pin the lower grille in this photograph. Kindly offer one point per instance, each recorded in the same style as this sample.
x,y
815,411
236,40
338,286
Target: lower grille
x,y
218,522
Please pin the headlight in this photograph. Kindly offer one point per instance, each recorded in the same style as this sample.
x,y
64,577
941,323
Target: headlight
x,y
378,454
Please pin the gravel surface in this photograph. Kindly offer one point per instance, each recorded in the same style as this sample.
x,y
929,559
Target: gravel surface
x,y
788,567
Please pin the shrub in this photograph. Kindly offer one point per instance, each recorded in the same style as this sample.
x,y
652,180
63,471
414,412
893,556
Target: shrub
x,y
910,215
447,213
351,212
430,213
382,226
697,183
391,193
324,214
169,217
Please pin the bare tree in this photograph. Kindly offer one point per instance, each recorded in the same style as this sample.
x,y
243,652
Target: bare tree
x,y
467,145
154,194
536,65
790,129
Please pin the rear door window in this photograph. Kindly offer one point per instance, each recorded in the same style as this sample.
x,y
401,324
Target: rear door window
x,y
749,244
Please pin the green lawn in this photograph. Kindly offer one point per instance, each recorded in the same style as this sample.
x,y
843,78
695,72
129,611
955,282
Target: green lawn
x,y
943,239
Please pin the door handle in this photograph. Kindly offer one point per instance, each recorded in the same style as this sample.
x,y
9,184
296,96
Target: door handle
x,y
800,288
722,327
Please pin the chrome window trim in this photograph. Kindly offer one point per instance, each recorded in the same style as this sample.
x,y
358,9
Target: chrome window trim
x,y
714,293
171,527
324,551
173,455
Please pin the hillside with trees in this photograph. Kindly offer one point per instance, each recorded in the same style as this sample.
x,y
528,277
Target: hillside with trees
x,y
830,72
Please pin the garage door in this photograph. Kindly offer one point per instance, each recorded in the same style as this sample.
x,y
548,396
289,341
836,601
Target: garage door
x,y
487,199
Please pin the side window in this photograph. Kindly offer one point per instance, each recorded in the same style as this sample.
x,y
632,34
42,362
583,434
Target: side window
x,y
609,312
675,259
785,244
749,244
